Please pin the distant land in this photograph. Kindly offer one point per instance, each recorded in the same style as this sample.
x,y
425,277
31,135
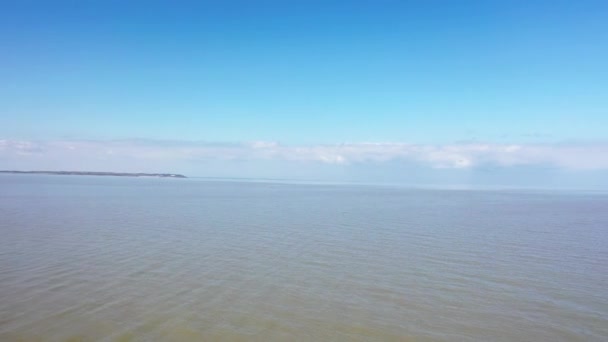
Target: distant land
x,y
92,173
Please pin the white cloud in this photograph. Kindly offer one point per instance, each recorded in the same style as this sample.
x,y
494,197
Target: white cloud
x,y
456,156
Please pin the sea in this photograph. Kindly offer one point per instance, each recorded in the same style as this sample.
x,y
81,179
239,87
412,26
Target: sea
x,y
89,258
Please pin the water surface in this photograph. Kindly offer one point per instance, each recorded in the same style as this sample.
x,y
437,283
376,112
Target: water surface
x,y
123,259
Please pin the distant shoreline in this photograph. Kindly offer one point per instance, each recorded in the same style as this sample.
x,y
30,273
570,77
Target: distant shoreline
x,y
93,173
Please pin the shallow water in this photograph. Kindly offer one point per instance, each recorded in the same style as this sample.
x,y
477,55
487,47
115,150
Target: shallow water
x,y
127,259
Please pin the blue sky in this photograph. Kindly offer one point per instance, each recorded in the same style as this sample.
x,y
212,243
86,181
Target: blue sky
x,y
308,76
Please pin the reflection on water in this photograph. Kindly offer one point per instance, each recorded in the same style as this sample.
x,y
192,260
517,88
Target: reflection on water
x,y
113,259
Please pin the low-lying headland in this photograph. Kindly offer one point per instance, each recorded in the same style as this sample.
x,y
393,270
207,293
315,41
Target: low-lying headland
x,y
93,173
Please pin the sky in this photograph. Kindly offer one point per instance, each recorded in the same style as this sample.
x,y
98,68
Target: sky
x,y
480,93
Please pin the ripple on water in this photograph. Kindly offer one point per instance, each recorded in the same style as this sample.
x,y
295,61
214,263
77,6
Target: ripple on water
x,y
140,260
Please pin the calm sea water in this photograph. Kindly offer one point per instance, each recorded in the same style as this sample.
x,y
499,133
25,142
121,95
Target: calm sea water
x,y
122,259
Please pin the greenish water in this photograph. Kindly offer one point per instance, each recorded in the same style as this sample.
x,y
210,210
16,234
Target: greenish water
x,y
122,259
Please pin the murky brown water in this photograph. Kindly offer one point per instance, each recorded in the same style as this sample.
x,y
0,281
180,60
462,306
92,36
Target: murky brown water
x,y
115,259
